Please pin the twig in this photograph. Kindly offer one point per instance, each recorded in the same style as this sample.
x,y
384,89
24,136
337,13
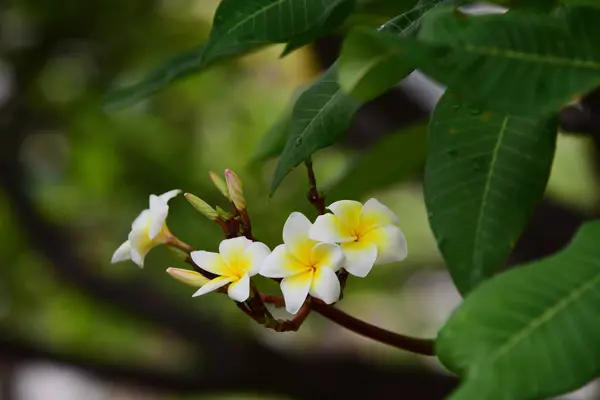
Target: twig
x,y
414,345
315,197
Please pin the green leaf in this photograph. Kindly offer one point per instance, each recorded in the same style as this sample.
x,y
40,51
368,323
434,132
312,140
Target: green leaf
x,y
322,114
522,63
335,19
393,159
532,332
370,66
239,27
485,173
320,118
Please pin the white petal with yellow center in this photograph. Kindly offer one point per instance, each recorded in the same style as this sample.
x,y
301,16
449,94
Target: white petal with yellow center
x,y
348,211
360,257
390,242
327,255
239,290
295,235
232,251
295,289
158,215
256,254
325,285
211,262
281,263
375,214
214,284
329,228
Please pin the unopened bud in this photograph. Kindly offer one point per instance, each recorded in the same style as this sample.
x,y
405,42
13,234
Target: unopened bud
x,y
223,214
220,184
202,206
191,278
234,186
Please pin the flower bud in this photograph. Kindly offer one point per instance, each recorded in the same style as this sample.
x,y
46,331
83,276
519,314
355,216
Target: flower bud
x,y
202,206
223,214
220,184
234,186
191,278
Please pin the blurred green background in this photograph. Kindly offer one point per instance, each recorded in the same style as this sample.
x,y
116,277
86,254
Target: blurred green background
x,y
91,173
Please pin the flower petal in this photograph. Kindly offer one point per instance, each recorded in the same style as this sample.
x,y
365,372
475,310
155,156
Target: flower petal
x,y
376,214
328,228
295,236
240,289
122,253
295,289
140,246
138,257
165,197
188,277
158,215
256,255
214,284
360,257
281,263
141,221
325,285
232,251
348,211
390,242
327,254
211,262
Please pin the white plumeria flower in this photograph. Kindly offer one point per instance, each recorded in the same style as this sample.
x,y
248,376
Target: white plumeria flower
x,y
237,260
367,234
147,231
305,265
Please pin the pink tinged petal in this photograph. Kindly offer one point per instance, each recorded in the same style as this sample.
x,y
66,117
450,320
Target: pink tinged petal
x,y
329,229
232,251
390,242
348,211
191,278
295,236
158,215
211,262
281,263
256,254
376,214
122,253
360,257
325,285
213,285
295,289
327,254
240,290
165,197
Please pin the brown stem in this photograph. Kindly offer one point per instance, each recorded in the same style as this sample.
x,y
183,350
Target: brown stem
x,y
314,196
178,244
414,345
246,225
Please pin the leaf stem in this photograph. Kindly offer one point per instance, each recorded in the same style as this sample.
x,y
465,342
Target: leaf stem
x,y
315,197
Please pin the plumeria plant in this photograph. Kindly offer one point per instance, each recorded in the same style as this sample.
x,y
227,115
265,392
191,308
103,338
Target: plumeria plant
x,y
513,71
311,265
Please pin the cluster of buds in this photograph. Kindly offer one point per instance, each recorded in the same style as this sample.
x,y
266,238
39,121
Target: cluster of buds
x,y
312,262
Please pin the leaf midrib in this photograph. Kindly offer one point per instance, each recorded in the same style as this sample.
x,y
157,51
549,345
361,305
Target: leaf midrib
x,y
487,187
333,97
544,318
531,57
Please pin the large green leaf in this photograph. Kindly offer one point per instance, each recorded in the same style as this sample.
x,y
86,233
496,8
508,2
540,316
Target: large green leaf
x,y
368,66
515,62
320,118
485,173
393,159
531,332
322,114
239,26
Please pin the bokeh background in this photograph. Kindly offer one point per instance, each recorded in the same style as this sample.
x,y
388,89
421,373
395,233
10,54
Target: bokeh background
x,y
74,326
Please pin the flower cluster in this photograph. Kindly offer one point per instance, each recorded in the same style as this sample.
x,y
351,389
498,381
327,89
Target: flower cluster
x,y
353,238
